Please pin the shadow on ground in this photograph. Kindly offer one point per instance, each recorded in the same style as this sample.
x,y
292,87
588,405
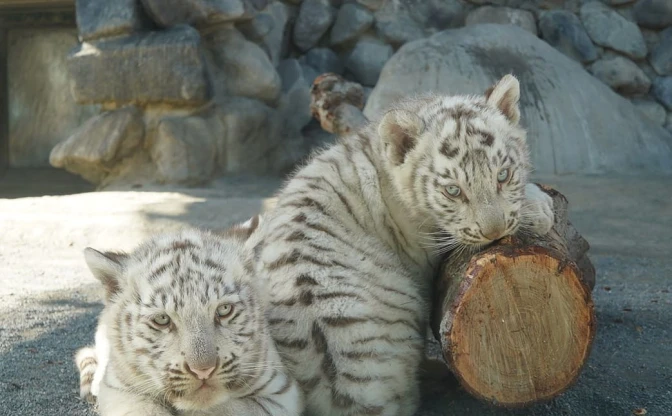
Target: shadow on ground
x,y
37,344
27,182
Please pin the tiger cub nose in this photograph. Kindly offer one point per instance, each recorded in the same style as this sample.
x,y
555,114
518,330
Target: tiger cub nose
x,y
493,231
493,234
201,373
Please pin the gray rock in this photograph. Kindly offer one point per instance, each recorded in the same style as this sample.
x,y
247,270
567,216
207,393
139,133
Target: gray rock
x,y
576,124
437,14
367,60
103,18
168,13
651,110
351,21
183,150
315,18
622,75
654,14
651,38
258,27
322,60
662,90
276,42
668,122
295,100
292,72
172,69
503,16
94,148
260,4
563,30
249,136
625,12
372,4
617,2
241,67
648,69
395,25
661,56
609,29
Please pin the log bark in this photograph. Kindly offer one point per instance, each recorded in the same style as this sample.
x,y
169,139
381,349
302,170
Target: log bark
x,y
516,321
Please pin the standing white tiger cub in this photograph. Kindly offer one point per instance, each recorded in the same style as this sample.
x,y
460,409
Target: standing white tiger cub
x,y
183,333
350,248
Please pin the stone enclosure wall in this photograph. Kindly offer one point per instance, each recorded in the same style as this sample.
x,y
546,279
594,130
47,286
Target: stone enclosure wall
x,y
190,89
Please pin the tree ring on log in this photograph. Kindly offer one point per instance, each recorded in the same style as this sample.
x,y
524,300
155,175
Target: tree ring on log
x,y
519,325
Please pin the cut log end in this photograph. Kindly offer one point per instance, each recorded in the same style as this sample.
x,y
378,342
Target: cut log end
x,y
521,329
516,321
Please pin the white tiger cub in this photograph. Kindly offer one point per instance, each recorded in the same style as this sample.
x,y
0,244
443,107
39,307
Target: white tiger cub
x,y
183,332
350,248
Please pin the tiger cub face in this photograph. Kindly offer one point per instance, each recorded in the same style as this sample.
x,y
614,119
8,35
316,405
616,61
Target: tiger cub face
x,y
461,161
184,323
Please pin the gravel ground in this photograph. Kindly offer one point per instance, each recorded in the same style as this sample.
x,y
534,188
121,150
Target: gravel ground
x,y
49,302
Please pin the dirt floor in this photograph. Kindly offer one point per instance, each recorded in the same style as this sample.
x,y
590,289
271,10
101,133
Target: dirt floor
x,y
49,302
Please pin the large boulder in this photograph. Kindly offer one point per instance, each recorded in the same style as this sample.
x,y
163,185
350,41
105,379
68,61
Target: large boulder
x,y
575,123
165,67
240,67
100,143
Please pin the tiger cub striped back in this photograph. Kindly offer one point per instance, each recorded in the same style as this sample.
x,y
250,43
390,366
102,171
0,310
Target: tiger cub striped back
x,y
185,333
349,250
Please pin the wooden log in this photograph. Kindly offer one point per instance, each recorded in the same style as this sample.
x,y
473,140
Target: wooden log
x,y
516,320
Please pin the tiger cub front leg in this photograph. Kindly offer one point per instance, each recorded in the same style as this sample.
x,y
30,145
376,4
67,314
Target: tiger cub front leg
x,y
537,212
117,402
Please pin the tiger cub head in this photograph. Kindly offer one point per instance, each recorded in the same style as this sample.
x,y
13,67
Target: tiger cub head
x,y
460,161
184,322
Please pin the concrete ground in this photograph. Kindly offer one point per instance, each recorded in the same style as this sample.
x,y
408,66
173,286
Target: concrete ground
x,y
49,302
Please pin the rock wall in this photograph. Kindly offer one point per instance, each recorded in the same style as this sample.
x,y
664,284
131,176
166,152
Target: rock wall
x,y
42,111
184,94
206,87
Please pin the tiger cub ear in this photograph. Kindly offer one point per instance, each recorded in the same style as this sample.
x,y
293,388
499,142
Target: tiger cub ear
x,y
505,95
243,231
107,268
250,226
399,130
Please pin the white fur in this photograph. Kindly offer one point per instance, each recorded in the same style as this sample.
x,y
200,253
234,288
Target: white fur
x,y
348,252
187,275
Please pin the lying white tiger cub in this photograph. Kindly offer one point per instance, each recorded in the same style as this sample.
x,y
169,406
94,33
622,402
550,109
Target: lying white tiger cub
x,y
183,333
